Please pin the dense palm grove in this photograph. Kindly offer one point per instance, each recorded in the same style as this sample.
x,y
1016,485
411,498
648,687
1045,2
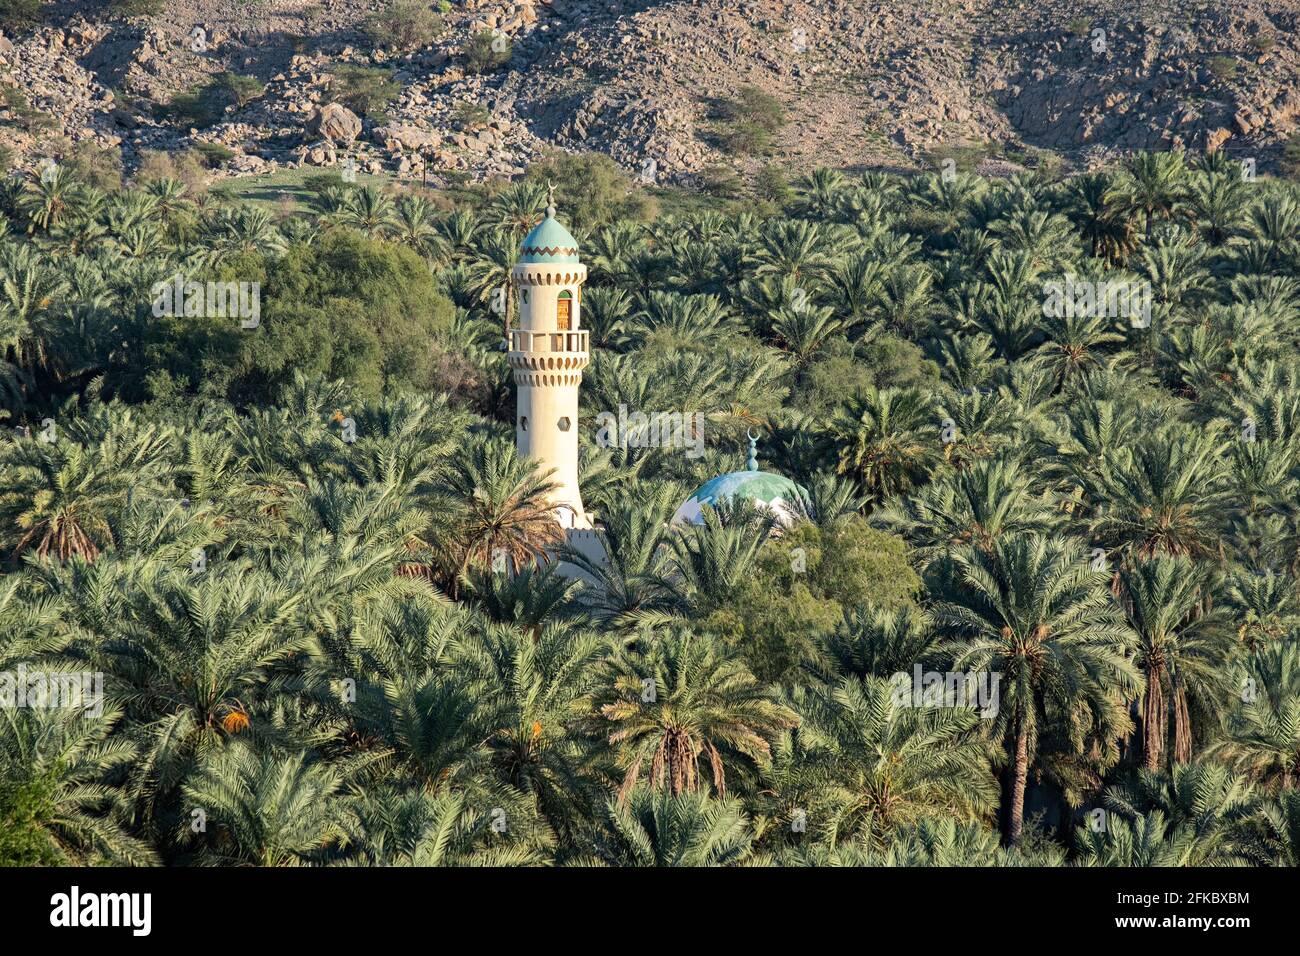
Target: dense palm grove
x,y
277,545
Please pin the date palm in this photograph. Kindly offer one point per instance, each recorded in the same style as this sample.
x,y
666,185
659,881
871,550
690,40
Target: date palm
x,y
58,494
632,581
369,210
420,829
876,762
49,197
495,503
976,505
1184,647
681,714
1262,733
194,650
65,768
1153,185
658,828
265,809
886,439
1161,494
1030,609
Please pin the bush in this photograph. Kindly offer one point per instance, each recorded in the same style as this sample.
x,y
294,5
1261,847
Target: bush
x,y
201,106
241,90
25,115
1263,42
1222,67
775,617
404,24
18,15
749,121
366,90
213,155
101,168
771,185
186,166
487,52
722,182
1291,157
593,189
138,8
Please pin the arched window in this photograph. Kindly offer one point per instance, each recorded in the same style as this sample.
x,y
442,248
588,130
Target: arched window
x,y
523,422
564,311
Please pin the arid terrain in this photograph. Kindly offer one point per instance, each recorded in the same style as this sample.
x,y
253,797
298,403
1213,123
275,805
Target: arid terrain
x,y
883,84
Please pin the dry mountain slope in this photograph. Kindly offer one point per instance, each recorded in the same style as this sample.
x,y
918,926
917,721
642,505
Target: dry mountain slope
x,y
886,83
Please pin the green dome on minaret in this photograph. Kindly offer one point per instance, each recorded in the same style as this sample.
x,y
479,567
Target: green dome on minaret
x,y
549,241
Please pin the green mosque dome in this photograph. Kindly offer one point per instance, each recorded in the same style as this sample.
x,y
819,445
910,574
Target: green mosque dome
x,y
763,489
549,242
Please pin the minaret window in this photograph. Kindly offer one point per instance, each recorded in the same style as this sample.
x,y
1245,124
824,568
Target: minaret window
x,y
564,311
564,423
523,296
523,422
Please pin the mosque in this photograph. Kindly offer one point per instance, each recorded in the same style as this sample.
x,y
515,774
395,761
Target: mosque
x,y
548,351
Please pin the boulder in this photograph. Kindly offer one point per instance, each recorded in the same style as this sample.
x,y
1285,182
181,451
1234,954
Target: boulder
x,y
335,122
1215,138
405,136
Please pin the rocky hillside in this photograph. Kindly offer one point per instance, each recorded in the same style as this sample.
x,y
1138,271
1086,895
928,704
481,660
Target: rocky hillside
x,y
655,85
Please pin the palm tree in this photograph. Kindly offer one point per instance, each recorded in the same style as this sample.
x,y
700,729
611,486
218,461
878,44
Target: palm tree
x,y
1183,648
28,287
58,792
658,828
495,505
1100,218
490,267
1153,185
50,197
1209,801
674,702
1262,733
1031,610
975,506
632,582
415,220
887,440
538,686
876,761
369,210
195,650
419,829
265,809
59,494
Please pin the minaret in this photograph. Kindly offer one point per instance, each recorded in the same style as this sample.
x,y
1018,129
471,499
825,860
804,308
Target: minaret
x,y
548,352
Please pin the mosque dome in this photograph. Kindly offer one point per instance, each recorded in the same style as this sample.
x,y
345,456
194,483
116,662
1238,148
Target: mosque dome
x,y
549,242
763,489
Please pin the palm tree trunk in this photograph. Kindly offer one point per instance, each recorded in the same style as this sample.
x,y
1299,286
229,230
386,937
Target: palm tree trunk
x,y
1153,722
1182,727
1016,819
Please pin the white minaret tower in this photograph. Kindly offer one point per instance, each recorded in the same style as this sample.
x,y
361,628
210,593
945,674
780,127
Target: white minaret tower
x,y
548,353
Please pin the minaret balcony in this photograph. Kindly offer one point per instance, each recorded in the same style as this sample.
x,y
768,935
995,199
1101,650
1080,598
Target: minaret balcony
x,y
570,344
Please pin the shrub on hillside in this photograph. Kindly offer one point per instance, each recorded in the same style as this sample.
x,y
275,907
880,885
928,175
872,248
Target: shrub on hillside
x,y
404,24
366,90
487,52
